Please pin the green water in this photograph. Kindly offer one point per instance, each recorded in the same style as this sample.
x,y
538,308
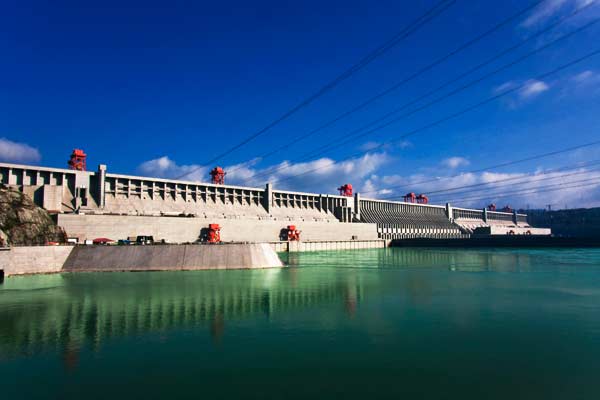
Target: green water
x,y
417,323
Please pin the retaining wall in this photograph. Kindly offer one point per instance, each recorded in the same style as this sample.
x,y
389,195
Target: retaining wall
x,y
34,260
182,230
52,259
172,257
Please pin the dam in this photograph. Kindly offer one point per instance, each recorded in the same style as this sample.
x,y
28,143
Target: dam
x,y
99,204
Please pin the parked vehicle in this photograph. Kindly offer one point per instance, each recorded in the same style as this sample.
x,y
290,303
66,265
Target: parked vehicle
x,y
143,240
103,241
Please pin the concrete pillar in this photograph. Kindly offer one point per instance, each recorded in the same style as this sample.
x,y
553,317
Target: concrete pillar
x,y
101,185
357,206
515,217
485,215
12,178
449,212
268,198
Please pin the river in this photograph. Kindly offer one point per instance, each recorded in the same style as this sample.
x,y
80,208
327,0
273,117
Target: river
x,y
381,323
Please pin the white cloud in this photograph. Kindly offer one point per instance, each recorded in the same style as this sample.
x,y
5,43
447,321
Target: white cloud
x,y
545,11
368,146
586,78
164,167
533,88
550,9
18,152
322,176
395,186
504,87
325,175
527,90
455,162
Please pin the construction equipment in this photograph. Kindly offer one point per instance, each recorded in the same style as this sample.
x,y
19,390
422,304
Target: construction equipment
x,y
507,209
293,234
410,197
345,190
422,199
214,233
217,176
491,207
77,160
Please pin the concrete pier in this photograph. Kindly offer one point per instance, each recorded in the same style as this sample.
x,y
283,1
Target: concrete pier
x,y
54,259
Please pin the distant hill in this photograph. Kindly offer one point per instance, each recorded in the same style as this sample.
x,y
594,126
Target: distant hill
x,y
23,223
580,222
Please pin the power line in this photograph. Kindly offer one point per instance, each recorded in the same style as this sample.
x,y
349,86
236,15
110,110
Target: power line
x,y
514,178
397,85
356,134
501,165
530,182
429,15
548,188
459,113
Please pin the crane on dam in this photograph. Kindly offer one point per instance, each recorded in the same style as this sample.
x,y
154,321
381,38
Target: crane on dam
x,y
217,176
345,190
78,160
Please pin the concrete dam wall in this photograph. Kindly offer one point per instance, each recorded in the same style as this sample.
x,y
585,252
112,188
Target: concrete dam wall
x,y
97,204
53,259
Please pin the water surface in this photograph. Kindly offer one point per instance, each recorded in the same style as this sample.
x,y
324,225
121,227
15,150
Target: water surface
x,y
418,323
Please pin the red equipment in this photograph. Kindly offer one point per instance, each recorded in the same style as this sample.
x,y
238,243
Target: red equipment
x,y
410,197
422,199
218,176
293,234
345,190
77,160
214,233
507,209
491,207
102,240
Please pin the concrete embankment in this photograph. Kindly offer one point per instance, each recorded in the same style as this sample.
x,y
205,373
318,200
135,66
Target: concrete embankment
x,y
51,259
328,245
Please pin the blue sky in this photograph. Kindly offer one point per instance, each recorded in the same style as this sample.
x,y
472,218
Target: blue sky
x,y
158,88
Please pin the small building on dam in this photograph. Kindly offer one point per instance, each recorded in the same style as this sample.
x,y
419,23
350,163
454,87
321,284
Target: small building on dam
x,y
99,204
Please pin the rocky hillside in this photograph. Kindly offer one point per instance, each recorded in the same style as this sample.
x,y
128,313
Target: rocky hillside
x,y
23,223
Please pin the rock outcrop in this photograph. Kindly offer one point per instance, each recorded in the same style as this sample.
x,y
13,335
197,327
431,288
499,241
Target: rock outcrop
x,y
22,223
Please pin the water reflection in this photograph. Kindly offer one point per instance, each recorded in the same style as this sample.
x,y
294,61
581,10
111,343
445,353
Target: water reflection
x,y
71,310
67,312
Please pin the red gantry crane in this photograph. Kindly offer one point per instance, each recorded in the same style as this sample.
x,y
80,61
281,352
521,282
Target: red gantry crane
x,y
217,176
77,160
345,190
413,198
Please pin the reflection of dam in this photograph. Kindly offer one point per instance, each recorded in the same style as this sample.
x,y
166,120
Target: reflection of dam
x,y
72,310
77,309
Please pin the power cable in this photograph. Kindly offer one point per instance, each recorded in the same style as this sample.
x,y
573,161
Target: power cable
x,y
501,165
535,175
530,182
429,15
596,180
416,74
457,114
